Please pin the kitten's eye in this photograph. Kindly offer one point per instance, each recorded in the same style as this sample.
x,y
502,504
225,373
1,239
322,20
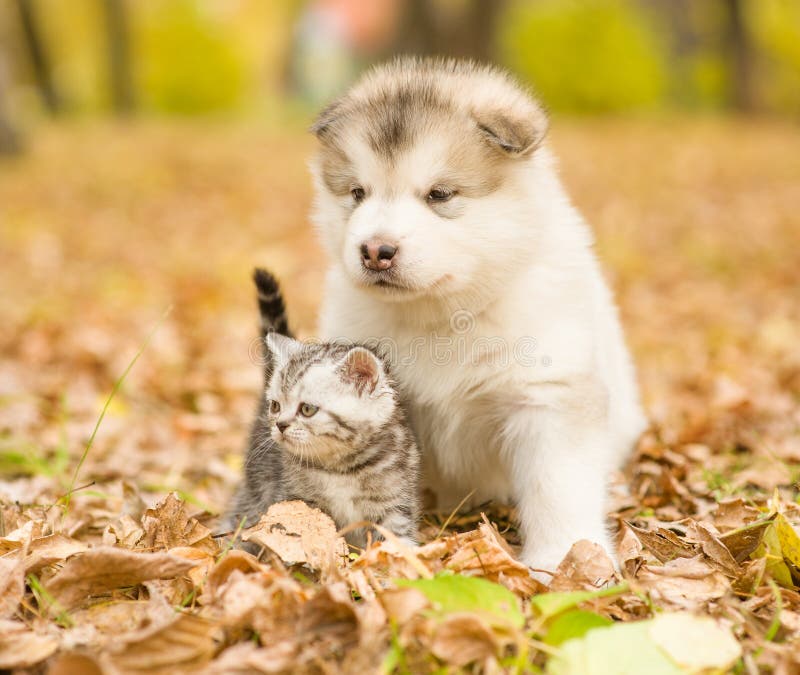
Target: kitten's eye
x,y
274,407
308,410
358,194
440,194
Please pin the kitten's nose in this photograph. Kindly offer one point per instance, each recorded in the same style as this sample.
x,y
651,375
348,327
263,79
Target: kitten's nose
x,y
377,255
282,426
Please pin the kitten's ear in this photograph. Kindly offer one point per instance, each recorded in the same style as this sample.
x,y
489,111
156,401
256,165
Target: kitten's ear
x,y
361,368
517,130
281,347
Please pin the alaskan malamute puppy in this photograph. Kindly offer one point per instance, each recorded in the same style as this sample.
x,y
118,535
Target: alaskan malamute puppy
x,y
451,236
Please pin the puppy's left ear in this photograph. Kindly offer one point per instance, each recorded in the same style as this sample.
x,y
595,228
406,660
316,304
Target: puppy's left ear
x,y
516,131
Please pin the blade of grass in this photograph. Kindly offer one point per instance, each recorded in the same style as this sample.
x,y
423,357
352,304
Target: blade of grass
x,y
117,386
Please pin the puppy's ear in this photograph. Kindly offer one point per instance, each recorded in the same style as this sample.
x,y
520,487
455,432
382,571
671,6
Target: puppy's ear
x,y
325,119
517,132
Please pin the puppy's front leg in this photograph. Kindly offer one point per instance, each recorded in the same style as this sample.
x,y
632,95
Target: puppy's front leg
x,y
561,456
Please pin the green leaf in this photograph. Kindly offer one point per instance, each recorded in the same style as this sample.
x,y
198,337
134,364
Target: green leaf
x,y
770,548
670,644
574,624
550,604
455,593
621,649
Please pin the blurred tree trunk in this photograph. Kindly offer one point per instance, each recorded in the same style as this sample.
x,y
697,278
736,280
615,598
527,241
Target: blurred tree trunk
x,y
38,54
117,32
740,53
466,30
9,138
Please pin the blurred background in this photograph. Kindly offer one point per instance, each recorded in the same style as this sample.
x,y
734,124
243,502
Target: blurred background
x,y
153,151
240,57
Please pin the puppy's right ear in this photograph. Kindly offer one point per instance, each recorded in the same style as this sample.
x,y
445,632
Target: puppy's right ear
x,y
281,348
322,125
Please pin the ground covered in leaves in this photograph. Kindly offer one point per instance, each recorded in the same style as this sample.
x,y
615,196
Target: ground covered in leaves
x,y
108,565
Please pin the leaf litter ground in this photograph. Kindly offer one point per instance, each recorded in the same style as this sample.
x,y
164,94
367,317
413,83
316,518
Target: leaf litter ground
x,y
105,227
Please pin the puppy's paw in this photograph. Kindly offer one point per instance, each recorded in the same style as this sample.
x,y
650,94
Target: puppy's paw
x,y
543,563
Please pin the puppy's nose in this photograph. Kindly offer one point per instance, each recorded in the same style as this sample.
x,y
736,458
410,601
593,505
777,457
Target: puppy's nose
x,y
377,254
282,426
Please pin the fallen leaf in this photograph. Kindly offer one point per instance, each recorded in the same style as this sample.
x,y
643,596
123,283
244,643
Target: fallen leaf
x,y
168,525
12,585
743,541
715,551
22,648
185,643
299,534
663,544
685,583
463,638
695,643
75,663
586,566
104,569
452,593
573,624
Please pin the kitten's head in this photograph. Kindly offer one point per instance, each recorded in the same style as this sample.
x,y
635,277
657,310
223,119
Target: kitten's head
x,y
323,400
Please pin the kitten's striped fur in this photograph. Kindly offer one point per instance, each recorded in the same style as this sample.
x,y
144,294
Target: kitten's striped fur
x,y
354,456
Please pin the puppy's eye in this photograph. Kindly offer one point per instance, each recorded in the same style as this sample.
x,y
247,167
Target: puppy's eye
x,y
440,194
274,407
308,410
358,194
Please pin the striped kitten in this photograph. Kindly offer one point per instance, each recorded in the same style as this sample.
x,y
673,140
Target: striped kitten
x,y
330,431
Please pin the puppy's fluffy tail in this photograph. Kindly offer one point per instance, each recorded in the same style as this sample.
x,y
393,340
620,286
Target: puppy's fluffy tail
x,y
271,306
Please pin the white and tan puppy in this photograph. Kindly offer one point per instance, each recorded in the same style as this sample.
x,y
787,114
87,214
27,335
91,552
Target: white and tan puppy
x,y
451,236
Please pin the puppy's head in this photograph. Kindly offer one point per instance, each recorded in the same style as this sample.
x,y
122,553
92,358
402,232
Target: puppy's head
x,y
422,175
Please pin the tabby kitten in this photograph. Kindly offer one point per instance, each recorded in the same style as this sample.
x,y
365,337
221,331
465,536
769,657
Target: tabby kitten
x,y
330,431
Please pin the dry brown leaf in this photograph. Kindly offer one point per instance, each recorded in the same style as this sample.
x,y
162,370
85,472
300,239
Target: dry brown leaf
x,y
663,544
75,663
732,514
124,531
751,577
104,569
585,567
12,585
481,552
247,658
685,583
402,604
716,552
233,560
185,643
22,648
168,525
463,638
746,539
299,534
630,552
202,560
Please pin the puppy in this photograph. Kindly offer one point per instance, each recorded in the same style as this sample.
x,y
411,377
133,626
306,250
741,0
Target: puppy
x,y
451,237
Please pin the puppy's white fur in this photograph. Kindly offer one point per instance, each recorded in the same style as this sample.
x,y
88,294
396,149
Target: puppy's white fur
x,y
512,259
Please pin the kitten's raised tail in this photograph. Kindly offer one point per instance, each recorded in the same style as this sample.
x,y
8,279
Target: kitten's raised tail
x,y
270,304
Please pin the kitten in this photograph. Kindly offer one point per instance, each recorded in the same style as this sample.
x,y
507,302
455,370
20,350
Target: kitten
x,y
330,431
